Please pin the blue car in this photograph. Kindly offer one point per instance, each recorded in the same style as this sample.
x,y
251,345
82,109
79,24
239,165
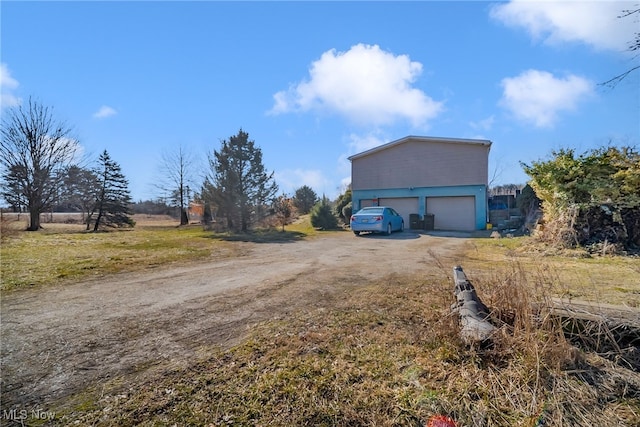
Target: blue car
x,y
380,219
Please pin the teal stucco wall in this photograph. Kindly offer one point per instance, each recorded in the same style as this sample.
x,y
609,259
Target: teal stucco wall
x,y
479,192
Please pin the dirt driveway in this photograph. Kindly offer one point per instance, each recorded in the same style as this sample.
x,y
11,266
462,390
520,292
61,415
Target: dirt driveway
x,y
60,339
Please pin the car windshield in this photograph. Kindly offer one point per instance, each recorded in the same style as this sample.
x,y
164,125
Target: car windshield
x,y
372,211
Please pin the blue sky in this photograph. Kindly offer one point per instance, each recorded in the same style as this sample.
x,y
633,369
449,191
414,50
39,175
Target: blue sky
x,y
315,82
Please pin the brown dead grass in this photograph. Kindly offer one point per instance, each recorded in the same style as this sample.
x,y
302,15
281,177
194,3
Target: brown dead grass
x,y
569,274
66,252
386,355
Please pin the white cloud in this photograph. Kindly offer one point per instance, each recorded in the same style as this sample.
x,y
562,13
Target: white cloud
x,y
538,97
7,85
360,143
6,81
484,124
104,112
364,84
594,23
357,144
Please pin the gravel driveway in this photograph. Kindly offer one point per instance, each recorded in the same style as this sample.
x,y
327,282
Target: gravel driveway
x,y
57,340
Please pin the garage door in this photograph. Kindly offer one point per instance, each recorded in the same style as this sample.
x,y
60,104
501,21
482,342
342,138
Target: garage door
x,y
452,213
403,205
365,203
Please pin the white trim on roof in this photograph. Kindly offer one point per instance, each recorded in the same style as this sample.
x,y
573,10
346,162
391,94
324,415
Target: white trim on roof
x,y
423,139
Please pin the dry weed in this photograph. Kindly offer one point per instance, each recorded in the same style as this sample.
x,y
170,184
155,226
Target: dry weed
x,y
388,355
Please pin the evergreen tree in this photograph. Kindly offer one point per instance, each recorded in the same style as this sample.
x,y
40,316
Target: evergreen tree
x,y
527,202
304,199
347,211
343,201
80,190
14,190
112,204
239,185
322,215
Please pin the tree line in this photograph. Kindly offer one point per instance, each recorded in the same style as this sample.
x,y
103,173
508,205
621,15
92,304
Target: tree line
x,y
590,199
40,171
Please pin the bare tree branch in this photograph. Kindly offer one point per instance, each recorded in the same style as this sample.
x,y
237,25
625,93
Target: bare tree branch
x,y
33,149
634,45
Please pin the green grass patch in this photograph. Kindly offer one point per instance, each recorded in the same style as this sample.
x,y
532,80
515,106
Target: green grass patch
x,y
49,257
62,252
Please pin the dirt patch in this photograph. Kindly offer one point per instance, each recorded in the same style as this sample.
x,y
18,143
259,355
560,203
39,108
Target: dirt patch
x,y
58,340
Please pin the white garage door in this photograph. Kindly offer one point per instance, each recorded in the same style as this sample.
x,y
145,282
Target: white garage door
x,y
452,213
403,205
365,203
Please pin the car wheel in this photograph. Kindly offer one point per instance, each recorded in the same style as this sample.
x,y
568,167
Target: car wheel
x,y
389,229
402,226
357,233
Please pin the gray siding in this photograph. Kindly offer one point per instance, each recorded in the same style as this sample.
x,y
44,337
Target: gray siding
x,y
421,162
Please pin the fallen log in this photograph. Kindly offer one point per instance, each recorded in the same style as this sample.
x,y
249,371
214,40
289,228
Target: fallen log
x,y
609,330
474,324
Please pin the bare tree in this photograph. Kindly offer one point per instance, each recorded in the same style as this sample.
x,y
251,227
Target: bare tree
x,y
634,46
33,149
176,179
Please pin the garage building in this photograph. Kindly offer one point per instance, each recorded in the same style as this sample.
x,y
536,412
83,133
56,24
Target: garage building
x,y
445,179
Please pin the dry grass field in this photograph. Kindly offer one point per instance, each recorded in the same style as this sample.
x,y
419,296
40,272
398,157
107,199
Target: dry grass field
x,y
346,346
63,251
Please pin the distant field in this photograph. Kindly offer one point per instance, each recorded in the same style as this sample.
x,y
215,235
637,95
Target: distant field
x,y
60,220
64,251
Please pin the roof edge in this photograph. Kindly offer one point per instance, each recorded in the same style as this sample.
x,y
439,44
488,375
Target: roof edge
x,y
484,142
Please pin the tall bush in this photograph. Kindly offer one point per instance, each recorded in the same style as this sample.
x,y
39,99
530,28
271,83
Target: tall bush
x,y
343,200
590,199
322,215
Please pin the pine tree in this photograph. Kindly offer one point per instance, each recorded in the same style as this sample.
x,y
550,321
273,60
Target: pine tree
x,y
80,189
343,200
322,216
304,199
239,185
112,204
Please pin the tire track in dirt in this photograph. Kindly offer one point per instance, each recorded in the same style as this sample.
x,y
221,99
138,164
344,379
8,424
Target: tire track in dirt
x,y
58,340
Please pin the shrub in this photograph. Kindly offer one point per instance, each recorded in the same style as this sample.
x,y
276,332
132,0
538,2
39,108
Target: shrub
x,y
346,212
322,216
343,200
591,199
